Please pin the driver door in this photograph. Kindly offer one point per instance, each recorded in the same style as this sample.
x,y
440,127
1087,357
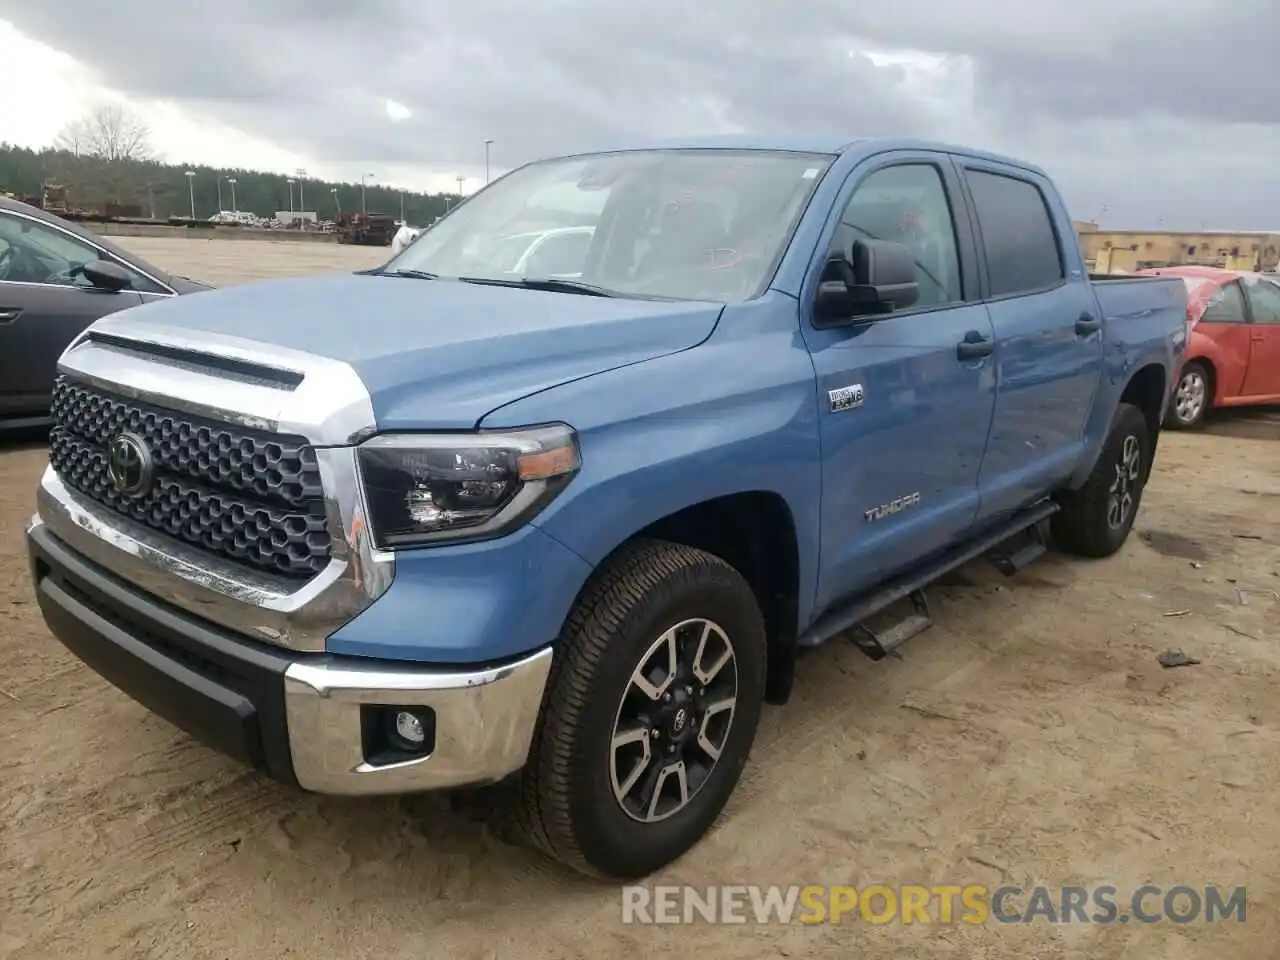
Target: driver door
x,y
901,461
41,309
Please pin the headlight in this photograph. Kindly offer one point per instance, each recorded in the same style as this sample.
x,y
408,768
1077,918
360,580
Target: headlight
x,y
423,488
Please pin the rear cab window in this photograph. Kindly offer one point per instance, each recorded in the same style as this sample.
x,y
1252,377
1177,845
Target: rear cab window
x,y
1023,249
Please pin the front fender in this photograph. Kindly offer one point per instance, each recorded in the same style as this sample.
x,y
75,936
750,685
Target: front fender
x,y
736,414
469,603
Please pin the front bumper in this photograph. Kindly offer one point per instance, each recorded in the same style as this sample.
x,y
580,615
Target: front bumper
x,y
303,719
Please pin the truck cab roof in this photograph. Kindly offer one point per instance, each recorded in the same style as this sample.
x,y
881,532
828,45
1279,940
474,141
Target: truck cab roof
x,y
830,144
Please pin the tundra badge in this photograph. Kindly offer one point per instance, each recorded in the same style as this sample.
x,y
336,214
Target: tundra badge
x,y
892,507
845,398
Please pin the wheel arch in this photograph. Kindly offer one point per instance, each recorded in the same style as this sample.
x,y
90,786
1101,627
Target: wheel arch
x,y
1211,373
754,532
1147,389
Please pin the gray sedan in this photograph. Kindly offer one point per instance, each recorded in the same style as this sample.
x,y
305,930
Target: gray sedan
x,y
55,280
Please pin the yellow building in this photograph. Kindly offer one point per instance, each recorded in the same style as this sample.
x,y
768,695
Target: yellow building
x,y
1118,251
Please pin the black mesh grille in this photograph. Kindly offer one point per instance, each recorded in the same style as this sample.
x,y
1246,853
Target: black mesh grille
x,y
251,497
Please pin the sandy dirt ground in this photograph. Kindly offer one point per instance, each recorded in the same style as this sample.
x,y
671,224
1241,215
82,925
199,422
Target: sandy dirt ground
x,y
1029,738
239,261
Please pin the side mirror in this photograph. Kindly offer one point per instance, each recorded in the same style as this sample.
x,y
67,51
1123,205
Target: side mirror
x,y
106,275
877,278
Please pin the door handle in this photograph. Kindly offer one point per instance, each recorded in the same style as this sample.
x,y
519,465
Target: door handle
x,y
1087,324
9,314
974,346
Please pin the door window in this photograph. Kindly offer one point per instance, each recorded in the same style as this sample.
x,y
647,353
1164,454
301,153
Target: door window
x,y
34,252
907,204
1264,299
1226,305
1022,247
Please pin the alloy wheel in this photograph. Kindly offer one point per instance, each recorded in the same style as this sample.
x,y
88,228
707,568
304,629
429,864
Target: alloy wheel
x,y
674,720
1124,488
1189,398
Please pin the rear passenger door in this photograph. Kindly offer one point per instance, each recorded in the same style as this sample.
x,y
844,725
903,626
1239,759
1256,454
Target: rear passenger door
x,y
1048,335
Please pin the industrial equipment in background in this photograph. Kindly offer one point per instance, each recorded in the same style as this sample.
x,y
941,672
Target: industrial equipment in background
x,y
365,229
54,199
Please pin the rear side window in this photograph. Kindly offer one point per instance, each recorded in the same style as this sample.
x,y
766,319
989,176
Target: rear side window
x,y
1264,297
1226,305
1023,254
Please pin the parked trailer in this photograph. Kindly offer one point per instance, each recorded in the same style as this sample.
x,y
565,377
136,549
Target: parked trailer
x,y
365,229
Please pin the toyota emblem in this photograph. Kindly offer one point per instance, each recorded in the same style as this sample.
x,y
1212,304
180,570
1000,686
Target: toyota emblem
x,y
679,720
129,465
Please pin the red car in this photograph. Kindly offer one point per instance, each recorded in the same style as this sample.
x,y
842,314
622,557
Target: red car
x,y
1233,348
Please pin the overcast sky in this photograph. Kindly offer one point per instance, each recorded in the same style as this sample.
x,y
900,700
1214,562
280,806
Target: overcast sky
x,y
1145,112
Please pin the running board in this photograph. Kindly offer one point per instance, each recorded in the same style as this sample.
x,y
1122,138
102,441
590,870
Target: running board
x,y
1035,544
879,644
847,616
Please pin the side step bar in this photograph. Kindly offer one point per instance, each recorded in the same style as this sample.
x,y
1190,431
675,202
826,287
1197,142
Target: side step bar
x,y
850,615
1018,556
878,645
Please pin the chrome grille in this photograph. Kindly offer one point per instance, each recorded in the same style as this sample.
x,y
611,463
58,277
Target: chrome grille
x,y
248,496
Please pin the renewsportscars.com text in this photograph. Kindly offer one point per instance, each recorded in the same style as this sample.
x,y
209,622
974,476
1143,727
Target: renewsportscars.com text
x,y
938,903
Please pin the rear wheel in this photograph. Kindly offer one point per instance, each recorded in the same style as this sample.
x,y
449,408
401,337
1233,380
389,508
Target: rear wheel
x,y
1192,397
651,710
1095,520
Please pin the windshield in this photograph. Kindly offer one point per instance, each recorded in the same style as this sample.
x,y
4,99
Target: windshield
x,y
680,224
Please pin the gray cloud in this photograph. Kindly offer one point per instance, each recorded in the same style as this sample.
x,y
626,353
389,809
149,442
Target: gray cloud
x,y
1165,109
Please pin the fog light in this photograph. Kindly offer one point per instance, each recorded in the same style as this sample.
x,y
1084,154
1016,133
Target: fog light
x,y
410,728
392,733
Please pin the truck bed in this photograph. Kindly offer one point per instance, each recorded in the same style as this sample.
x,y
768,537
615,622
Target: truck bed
x,y
1146,306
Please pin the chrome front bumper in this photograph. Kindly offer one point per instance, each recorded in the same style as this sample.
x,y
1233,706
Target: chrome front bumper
x,y
484,724
302,718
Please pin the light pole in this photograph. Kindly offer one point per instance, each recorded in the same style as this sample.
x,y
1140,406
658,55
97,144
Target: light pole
x,y
232,181
219,179
302,204
191,189
460,179
364,207
402,219
290,183
337,204
486,160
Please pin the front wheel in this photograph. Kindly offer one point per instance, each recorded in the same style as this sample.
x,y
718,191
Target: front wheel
x,y
651,710
1191,397
1095,520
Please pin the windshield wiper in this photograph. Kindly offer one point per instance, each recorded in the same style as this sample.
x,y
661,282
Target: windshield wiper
x,y
412,274
552,284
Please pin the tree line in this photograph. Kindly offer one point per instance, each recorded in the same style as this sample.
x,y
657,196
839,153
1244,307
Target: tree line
x,y
105,159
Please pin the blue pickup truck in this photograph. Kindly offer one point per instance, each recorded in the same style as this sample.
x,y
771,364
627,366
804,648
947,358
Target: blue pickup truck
x,y
562,510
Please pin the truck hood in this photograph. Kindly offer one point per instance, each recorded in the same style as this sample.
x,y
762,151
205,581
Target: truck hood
x,y
441,354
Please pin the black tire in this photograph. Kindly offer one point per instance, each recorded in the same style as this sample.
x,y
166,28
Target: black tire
x,y
1086,525
1192,397
568,803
